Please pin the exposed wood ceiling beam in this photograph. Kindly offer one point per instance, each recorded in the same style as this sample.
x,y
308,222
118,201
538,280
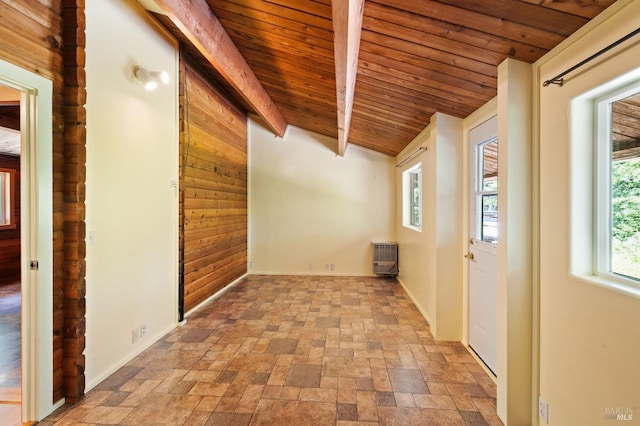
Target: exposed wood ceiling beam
x,y
414,58
198,23
347,27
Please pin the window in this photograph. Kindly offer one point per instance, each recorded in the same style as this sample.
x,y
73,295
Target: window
x,y
415,194
618,184
412,197
6,198
487,191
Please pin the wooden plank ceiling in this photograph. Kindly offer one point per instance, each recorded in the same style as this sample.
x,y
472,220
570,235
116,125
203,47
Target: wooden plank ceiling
x,y
415,57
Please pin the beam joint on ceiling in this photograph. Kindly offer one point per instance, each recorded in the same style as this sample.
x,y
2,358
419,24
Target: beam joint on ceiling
x,y
347,28
201,27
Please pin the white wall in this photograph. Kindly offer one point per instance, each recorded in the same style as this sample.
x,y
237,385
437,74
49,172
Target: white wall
x,y
309,206
431,259
132,156
514,286
589,346
417,252
447,200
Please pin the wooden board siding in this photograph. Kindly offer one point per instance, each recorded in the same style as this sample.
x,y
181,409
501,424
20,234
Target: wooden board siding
x,y
213,186
32,36
10,237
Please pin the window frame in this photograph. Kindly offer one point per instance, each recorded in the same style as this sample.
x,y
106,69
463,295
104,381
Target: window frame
x,y
8,204
412,174
603,203
480,192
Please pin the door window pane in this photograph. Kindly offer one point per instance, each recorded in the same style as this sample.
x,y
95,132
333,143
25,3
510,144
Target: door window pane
x,y
487,191
490,218
490,166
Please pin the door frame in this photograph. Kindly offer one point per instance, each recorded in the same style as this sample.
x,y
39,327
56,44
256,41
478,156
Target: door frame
x,y
479,117
36,236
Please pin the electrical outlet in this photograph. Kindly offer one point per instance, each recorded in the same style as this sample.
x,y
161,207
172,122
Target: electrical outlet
x,y
543,409
143,330
332,267
135,335
311,266
251,264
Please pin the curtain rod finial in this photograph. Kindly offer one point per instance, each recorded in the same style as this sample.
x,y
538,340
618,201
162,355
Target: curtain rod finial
x,y
556,81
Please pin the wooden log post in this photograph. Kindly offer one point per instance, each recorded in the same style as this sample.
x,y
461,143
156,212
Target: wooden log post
x,y
74,287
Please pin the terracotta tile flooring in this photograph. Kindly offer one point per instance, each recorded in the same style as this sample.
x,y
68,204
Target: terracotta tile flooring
x,y
277,350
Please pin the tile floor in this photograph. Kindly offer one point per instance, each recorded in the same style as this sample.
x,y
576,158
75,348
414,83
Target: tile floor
x,y
10,301
277,350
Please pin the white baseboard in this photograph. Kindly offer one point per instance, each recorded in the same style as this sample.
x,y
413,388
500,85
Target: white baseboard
x,y
154,339
312,274
146,345
482,364
59,403
415,302
214,296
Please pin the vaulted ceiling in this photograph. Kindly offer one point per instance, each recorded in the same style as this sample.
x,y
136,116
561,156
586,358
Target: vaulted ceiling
x,y
414,57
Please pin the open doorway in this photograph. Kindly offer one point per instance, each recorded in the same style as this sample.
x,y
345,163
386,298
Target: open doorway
x,y
10,256
34,198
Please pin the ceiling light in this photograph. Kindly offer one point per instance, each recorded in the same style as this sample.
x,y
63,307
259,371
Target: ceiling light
x,y
150,79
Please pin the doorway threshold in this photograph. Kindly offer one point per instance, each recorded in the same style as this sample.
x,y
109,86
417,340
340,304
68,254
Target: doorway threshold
x,y
10,395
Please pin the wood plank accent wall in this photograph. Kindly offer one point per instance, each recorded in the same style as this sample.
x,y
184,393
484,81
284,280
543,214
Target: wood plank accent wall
x,y
31,37
213,186
10,238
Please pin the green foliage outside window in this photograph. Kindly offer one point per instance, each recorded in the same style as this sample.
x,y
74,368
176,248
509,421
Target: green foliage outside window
x,y
625,215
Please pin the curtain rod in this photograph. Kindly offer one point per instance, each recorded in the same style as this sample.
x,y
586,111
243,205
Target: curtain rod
x,y
413,155
558,78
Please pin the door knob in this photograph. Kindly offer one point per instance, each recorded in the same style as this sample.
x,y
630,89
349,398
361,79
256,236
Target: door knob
x,y
469,256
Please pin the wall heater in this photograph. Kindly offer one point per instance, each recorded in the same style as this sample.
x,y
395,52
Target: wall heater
x,y
385,258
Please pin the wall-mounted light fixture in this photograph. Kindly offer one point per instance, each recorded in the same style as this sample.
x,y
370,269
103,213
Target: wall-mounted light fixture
x,y
150,79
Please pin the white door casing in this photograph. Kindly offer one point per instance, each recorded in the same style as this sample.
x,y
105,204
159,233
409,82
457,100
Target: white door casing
x,y
482,249
36,235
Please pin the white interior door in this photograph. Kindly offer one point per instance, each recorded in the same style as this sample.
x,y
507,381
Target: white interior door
x,y
483,232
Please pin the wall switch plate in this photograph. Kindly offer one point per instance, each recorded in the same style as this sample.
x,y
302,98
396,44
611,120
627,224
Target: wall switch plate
x,y
332,266
543,409
91,237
